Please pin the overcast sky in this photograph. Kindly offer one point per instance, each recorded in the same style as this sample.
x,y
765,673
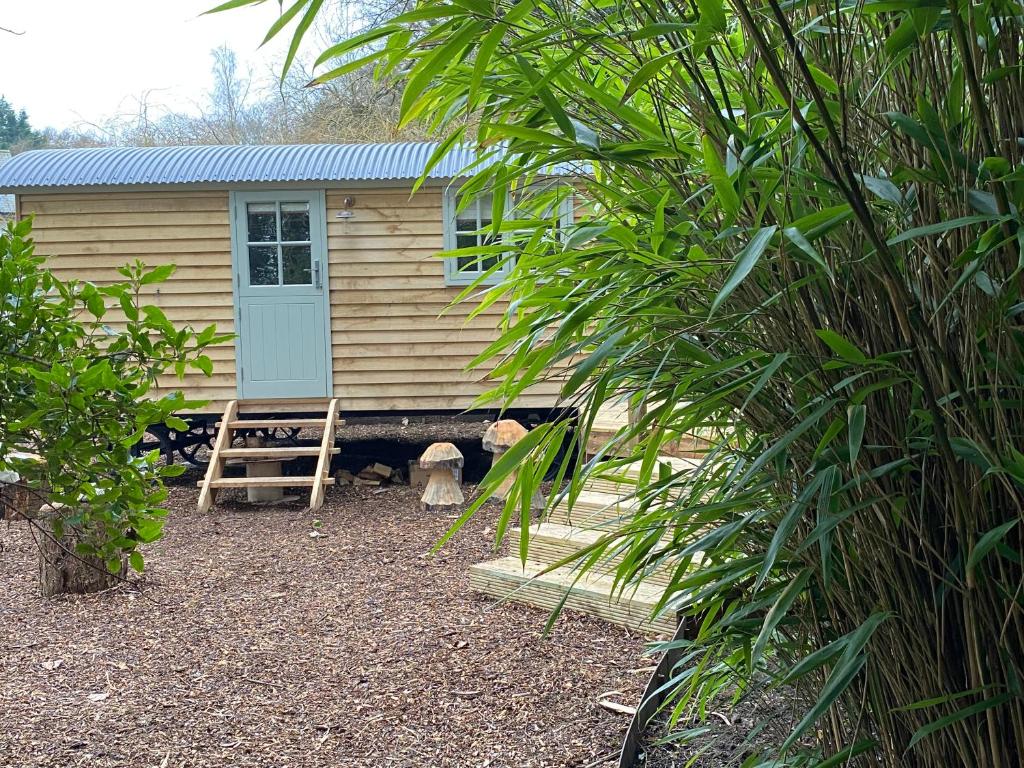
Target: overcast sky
x,y
86,60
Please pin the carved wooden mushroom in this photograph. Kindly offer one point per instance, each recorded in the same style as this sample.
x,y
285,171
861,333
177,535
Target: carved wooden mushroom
x,y
498,438
441,460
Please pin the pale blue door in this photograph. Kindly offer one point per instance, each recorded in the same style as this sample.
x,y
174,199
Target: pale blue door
x,y
281,297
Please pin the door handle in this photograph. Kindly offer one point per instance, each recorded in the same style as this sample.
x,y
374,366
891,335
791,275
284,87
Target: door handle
x,y
317,282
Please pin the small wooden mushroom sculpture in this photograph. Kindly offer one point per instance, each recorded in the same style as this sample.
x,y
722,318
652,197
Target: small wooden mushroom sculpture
x,y
498,438
441,460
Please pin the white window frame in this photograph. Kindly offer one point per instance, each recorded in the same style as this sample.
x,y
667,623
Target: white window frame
x,y
455,276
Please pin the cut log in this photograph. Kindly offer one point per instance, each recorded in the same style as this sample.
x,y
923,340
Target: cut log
x,y
344,477
382,471
63,571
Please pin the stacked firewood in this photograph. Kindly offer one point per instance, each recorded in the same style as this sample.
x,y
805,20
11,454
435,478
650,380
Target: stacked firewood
x,y
372,475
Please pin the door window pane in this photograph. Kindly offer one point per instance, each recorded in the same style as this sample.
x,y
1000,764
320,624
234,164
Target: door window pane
x,y
296,261
295,222
263,265
262,219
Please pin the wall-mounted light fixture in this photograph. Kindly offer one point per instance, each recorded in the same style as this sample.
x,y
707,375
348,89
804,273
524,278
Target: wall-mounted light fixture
x,y
346,212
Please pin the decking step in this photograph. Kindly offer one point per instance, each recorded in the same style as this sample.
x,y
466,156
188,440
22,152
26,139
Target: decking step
x,y
274,452
593,508
266,482
271,423
507,579
551,543
622,479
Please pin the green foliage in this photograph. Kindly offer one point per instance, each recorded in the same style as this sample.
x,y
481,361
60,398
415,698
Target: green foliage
x,y
75,390
802,239
14,127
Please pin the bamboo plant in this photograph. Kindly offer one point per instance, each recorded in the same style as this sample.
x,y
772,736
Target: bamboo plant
x,y
802,236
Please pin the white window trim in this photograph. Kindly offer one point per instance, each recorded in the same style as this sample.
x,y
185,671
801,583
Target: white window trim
x,y
452,274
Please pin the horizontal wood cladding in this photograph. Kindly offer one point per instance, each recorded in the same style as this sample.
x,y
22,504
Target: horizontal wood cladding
x,y
87,236
396,343
392,347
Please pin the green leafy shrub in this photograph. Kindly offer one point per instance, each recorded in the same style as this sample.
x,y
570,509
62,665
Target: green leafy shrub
x,y
76,391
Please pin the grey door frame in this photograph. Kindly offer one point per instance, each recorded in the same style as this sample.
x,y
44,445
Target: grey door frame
x,y
318,239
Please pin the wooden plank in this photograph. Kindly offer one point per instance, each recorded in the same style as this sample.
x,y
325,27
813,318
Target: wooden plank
x,y
360,242
506,579
120,234
56,204
323,465
441,338
393,283
448,324
426,213
284,404
295,481
182,244
271,423
129,194
385,255
105,219
216,469
378,198
426,225
188,266
274,452
430,267
385,294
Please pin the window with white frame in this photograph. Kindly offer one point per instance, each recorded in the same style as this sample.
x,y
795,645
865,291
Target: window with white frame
x,y
469,228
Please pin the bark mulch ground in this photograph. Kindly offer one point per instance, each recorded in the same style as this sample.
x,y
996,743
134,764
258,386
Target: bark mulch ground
x,y
250,642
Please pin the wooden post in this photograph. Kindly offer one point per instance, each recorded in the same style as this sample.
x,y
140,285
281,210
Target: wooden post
x,y
323,464
216,468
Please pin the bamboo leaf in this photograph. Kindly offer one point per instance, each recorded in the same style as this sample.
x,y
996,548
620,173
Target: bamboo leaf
x,y
987,543
855,416
959,716
746,260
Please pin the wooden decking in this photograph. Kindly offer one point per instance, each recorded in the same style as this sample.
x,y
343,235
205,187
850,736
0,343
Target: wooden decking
x,y
604,503
567,531
223,452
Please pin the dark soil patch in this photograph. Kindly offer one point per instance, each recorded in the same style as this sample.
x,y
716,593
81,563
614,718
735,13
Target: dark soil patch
x,y
252,643
734,732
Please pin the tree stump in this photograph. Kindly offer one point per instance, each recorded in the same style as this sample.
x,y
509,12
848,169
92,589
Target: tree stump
x,y
61,569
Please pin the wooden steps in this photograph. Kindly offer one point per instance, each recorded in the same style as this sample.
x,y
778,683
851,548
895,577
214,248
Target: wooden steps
x,y
223,453
283,452
507,579
593,509
552,543
285,481
566,532
622,480
605,502
272,423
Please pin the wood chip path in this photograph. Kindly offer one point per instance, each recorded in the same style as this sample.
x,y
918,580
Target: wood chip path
x,y
252,643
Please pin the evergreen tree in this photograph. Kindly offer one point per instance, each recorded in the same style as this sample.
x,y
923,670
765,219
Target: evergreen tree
x,y
14,127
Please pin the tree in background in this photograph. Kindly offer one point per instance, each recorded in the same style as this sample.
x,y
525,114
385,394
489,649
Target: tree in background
x,y
15,132
352,107
803,239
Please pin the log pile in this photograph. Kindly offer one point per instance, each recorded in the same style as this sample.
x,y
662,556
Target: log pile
x,y
372,475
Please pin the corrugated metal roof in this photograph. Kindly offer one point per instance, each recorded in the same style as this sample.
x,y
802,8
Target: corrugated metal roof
x,y
227,164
